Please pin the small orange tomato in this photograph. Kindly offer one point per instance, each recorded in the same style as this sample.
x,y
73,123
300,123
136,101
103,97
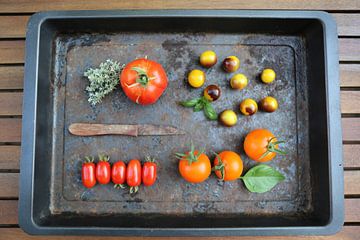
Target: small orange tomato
x,y
261,145
228,166
194,166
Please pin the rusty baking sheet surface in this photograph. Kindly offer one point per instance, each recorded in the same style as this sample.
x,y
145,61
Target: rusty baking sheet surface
x,y
178,53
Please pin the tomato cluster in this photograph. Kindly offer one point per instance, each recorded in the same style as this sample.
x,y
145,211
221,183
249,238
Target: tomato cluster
x,y
260,145
133,174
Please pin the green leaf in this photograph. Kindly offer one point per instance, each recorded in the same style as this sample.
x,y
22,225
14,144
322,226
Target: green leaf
x,y
210,111
262,178
190,103
199,106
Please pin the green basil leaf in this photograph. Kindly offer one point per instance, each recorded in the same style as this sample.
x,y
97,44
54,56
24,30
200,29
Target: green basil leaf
x,y
199,106
210,111
262,178
190,103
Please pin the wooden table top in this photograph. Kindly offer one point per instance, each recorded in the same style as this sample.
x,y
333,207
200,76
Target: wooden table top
x,y
15,14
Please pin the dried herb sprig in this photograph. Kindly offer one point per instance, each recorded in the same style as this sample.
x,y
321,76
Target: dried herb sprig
x,y
102,80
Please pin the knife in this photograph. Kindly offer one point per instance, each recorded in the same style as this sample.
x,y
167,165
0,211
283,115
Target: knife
x,y
93,129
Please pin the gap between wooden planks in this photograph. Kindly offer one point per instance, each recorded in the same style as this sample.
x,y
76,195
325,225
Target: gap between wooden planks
x,y
9,184
11,77
347,24
10,129
17,6
9,211
10,157
11,103
347,233
12,52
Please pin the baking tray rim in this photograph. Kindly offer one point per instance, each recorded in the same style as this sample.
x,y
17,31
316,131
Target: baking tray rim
x,y
28,140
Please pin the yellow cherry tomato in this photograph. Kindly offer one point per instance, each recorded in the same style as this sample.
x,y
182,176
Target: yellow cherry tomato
x,y
268,75
228,118
208,59
238,81
196,78
248,107
269,104
231,64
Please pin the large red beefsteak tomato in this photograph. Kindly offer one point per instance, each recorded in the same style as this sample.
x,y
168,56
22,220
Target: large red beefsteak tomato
x,y
143,81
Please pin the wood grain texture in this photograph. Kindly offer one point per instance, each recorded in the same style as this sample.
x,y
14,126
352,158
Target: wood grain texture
x,y
352,182
350,75
11,77
9,185
347,24
43,5
11,103
351,156
13,26
10,130
352,210
8,212
350,101
12,51
349,49
351,129
9,157
347,233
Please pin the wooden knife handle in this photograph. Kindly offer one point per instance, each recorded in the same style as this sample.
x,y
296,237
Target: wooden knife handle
x,y
92,129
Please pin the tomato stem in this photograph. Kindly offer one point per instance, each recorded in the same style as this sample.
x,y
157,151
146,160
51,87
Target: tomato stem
x,y
150,159
134,189
143,78
220,167
103,158
271,147
190,156
89,159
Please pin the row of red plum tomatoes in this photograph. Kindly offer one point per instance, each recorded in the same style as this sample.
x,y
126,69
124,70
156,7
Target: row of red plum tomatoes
x,y
132,174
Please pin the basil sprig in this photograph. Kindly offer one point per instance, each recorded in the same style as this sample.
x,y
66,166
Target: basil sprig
x,y
199,104
262,178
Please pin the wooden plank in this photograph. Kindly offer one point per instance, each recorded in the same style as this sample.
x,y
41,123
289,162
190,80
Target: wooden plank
x,y
349,49
347,233
351,183
351,156
8,212
12,51
43,5
10,130
9,157
11,77
350,101
348,24
350,75
352,210
11,103
9,185
13,26
351,129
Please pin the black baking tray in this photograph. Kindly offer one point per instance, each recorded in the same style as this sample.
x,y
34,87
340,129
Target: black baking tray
x,y
300,46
